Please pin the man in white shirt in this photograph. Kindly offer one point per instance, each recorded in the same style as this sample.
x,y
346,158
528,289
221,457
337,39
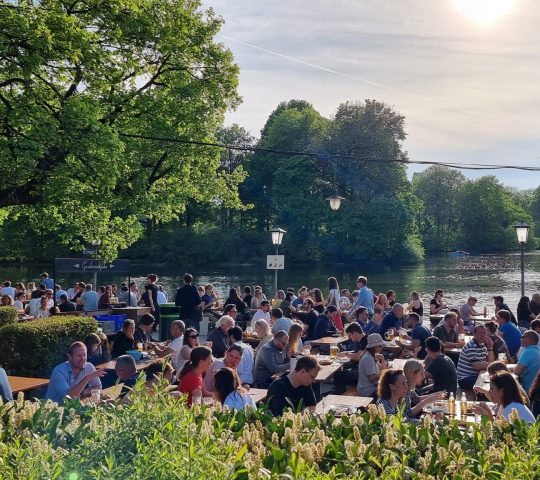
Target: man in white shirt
x,y
232,358
245,368
173,347
263,313
7,289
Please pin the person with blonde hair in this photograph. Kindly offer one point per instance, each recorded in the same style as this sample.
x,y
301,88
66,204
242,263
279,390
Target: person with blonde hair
x,y
415,374
264,332
295,340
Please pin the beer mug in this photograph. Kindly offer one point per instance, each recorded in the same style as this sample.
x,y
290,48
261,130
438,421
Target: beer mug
x,y
306,349
334,350
502,357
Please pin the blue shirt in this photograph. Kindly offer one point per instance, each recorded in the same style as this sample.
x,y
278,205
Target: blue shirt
x,y
282,323
371,327
62,380
90,300
239,401
420,332
530,359
512,336
365,298
48,282
5,387
389,321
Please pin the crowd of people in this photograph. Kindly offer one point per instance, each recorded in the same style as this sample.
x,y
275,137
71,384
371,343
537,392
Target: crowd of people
x,y
225,366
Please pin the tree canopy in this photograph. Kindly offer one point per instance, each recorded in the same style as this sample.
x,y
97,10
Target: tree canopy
x,y
80,82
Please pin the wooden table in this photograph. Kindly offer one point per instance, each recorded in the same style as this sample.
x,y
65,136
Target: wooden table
x,y
331,402
140,365
479,318
26,384
327,371
258,394
329,340
253,341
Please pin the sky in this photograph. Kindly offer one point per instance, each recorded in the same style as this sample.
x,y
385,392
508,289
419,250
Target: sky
x,y
464,73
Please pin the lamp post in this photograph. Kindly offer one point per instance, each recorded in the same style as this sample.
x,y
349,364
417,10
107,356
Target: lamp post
x,y
522,232
335,201
277,238
96,243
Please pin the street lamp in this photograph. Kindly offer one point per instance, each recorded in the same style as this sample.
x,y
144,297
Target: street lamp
x,y
522,232
335,201
277,238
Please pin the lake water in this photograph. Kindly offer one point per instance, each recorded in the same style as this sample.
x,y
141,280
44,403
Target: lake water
x,y
480,275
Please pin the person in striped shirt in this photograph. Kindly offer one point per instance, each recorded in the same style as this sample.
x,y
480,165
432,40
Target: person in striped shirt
x,y
475,356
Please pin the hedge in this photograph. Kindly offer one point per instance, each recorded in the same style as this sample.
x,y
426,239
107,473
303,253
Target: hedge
x,y
33,349
8,315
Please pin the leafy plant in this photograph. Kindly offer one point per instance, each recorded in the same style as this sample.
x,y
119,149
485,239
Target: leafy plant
x,y
7,315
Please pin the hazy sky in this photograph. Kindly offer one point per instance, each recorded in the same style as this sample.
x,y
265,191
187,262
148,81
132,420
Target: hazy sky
x,y
465,73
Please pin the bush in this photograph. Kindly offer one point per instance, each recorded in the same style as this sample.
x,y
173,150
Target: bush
x,y
157,437
34,348
8,315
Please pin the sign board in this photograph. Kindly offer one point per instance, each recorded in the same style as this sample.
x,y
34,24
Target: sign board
x,y
87,251
86,265
275,262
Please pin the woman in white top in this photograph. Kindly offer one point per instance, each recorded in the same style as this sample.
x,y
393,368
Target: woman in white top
x,y
228,390
43,311
264,332
504,391
333,286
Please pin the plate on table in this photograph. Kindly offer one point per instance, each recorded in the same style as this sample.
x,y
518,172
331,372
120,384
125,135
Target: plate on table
x,y
340,410
325,362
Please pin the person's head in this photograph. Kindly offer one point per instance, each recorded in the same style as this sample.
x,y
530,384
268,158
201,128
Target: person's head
x,y
289,296
265,306
125,367
49,293
331,312
492,327
88,287
177,328
191,337
230,310
200,290
303,292
530,337
226,381
345,293
63,298
317,295
158,370
147,321
92,343
456,311
226,322
280,340
101,289
7,301
392,385
7,283
497,366
307,305
290,290
44,276
391,296
233,294
413,319
536,297
234,334
258,292
247,290
208,289
188,278
361,314
375,343
21,296
77,355
535,325
472,301
498,299
262,328
233,356
414,296
280,295
276,314
503,316
306,370
295,333
200,359
361,282
504,390
152,277
433,346
44,303
332,283
354,332
414,372
128,327
397,309
479,334
382,300
450,320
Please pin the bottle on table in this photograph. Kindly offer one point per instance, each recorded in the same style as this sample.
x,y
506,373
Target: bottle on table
x,y
485,311
451,405
463,406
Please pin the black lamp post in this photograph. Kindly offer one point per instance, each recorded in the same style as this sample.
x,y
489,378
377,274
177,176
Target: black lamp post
x,y
277,238
522,231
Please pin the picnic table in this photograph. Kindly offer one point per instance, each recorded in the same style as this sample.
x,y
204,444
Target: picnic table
x,y
329,340
327,371
140,365
258,394
342,403
26,384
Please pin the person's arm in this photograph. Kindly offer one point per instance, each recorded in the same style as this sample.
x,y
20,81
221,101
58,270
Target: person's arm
x,y
427,400
150,294
76,390
519,369
271,362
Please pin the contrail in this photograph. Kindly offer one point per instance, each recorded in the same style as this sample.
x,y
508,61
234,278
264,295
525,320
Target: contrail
x,y
324,69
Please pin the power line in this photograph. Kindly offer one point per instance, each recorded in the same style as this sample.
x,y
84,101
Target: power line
x,y
328,156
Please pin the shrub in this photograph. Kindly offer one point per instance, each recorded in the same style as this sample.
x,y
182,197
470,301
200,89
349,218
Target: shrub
x,y
34,348
8,315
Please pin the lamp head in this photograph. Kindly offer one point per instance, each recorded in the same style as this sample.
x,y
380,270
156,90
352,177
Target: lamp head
x,y
335,202
522,231
277,235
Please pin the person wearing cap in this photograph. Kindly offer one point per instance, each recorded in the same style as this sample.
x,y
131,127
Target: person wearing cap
x,y
370,366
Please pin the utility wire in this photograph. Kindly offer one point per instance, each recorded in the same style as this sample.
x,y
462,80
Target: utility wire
x,y
328,156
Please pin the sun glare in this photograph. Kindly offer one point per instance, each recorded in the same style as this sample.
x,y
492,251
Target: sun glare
x,y
484,12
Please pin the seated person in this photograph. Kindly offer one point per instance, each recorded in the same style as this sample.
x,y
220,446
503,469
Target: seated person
x,y
475,356
219,336
499,345
278,321
233,357
173,347
143,333
528,364
295,389
467,309
74,378
392,319
492,369
419,333
510,333
326,323
64,305
271,359
124,339
157,372
191,375
309,318
447,333
440,368
353,349
126,371
94,347
392,390
229,391
263,312
370,366
5,388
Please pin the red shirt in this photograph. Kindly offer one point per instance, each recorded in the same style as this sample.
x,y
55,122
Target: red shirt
x,y
189,382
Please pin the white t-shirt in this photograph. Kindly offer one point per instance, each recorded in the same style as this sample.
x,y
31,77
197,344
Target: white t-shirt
x,y
335,293
18,305
523,412
161,297
367,366
176,345
8,291
260,315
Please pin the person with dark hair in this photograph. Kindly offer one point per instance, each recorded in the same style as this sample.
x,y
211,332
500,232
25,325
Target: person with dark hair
x,y
447,332
534,395
318,300
392,392
499,345
151,298
156,372
95,353
524,314
229,391
263,312
235,299
500,305
505,393
271,359
143,332
437,304
126,371
278,321
419,333
64,305
75,378
370,366
440,368
286,305
219,337
124,339
391,298
191,375
247,297
509,332
467,310
309,318
295,389
529,360
245,368
475,356
326,323
190,341
353,349
232,358
187,298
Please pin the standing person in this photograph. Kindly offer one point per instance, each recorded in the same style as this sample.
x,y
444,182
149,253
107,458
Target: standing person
x,y
6,395
370,366
75,378
161,295
365,296
437,304
89,299
333,287
191,375
509,332
47,281
528,364
151,298
440,368
187,298
416,305
229,391
475,356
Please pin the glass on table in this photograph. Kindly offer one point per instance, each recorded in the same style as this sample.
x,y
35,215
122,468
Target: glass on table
x,y
306,349
95,395
196,400
334,350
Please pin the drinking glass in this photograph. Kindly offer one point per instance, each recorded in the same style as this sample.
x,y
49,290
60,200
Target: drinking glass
x,y
249,331
502,357
306,349
196,400
95,395
139,346
334,350
208,401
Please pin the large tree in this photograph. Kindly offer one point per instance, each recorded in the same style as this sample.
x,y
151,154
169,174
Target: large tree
x,y
80,81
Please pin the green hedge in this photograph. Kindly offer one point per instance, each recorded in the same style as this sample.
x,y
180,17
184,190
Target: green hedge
x,y
33,349
8,315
